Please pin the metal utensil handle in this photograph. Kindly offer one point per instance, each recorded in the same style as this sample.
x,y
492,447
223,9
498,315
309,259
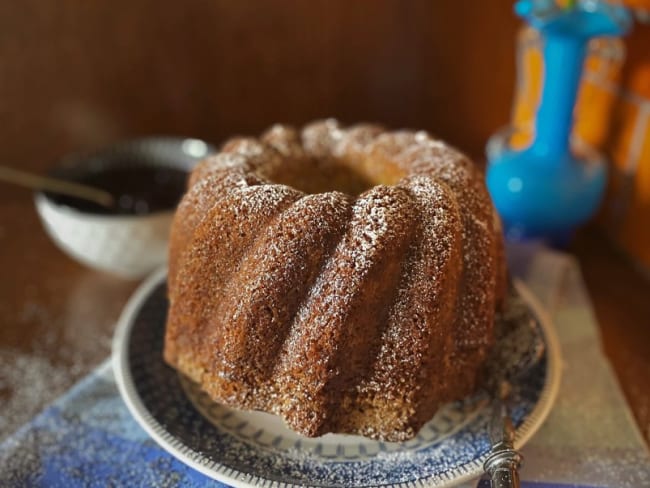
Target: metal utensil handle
x,y
47,183
503,468
505,479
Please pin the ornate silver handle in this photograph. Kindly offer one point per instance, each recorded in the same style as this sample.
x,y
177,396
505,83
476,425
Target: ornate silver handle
x,y
503,462
503,467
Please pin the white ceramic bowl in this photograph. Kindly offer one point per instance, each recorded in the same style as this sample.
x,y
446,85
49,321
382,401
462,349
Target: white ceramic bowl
x,y
130,246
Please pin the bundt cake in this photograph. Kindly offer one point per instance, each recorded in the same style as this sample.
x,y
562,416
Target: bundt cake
x,y
345,279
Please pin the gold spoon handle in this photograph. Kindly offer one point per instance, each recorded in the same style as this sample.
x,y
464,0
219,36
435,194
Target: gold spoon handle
x,y
54,185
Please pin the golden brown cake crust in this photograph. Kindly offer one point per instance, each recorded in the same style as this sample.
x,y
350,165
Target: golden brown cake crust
x,y
343,278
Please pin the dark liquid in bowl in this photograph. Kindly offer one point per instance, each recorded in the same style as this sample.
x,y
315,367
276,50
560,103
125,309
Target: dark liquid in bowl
x,y
137,190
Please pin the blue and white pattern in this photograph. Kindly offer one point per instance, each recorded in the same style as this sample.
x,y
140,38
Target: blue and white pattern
x,y
254,449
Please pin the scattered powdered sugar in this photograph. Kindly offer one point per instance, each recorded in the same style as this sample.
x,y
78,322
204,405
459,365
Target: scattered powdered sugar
x,y
26,381
53,339
29,379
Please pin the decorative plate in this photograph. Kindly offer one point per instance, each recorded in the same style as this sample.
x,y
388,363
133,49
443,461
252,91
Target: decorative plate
x,y
255,449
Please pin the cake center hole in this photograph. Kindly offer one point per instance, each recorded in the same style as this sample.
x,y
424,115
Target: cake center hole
x,y
320,176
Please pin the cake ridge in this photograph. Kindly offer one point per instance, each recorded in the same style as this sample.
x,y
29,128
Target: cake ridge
x,y
196,259
406,314
479,246
280,268
320,323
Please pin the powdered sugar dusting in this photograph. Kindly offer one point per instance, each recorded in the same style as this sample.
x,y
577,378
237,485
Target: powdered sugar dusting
x,y
374,225
285,139
319,138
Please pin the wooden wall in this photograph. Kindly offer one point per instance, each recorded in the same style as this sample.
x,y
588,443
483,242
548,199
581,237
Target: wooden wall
x,y
77,74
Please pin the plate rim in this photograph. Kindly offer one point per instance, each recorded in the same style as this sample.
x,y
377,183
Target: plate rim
x,y
236,479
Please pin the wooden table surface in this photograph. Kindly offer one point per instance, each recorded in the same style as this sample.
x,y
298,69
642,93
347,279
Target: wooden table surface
x,y
57,317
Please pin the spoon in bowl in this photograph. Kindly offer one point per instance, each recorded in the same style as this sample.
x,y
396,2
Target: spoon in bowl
x,y
55,185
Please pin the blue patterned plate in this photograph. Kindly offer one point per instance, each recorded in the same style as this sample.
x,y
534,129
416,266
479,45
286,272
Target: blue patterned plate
x,y
256,449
